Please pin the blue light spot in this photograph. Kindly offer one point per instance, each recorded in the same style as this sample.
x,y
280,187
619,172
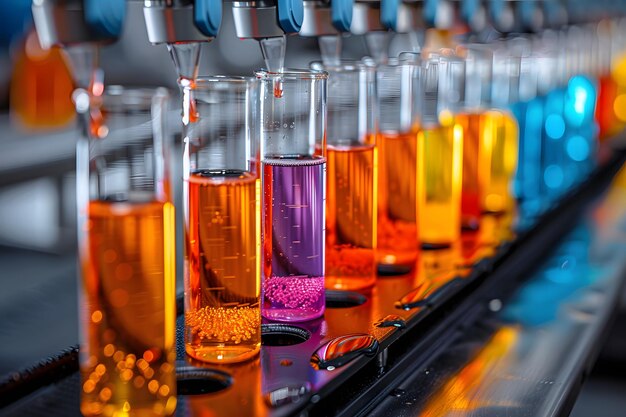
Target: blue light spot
x,y
580,98
555,126
577,148
553,176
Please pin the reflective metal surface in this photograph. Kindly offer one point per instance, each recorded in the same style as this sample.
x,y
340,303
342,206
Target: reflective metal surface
x,y
341,350
526,356
256,21
167,23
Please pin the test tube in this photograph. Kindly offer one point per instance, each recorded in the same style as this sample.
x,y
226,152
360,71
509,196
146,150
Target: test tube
x,y
489,137
351,200
398,98
440,151
222,220
580,104
528,109
293,164
126,249
475,121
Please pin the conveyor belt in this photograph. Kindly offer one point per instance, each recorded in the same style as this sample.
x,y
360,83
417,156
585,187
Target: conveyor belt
x,y
439,302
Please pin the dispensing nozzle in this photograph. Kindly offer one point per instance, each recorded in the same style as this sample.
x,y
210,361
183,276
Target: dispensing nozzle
x,y
267,18
176,21
516,16
327,20
402,16
79,26
326,17
71,22
183,25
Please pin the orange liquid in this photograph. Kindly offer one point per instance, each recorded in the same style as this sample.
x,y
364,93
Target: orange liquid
x,y
501,139
441,172
351,217
605,115
128,315
474,169
222,292
41,87
397,205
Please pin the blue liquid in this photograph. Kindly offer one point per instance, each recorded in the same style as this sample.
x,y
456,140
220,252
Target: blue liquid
x,y
527,185
557,144
581,143
554,180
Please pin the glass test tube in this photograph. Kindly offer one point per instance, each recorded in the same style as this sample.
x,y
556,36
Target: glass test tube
x,y
293,162
489,140
504,132
222,220
606,34
440,152
528,109
351,199
473,117
551,89
398,86
580,104
126,249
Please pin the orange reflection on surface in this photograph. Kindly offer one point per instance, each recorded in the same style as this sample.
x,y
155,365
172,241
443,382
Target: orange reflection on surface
x,y
460,393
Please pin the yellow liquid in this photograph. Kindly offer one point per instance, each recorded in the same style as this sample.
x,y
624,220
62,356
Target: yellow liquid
x,y
397,205
222,299
351,217
501,140
440,169
128,315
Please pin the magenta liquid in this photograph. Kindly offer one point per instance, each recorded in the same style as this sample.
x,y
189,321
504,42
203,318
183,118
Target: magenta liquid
x,y
293,238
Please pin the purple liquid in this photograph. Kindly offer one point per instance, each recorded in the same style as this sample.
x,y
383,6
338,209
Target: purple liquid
x,y
293,238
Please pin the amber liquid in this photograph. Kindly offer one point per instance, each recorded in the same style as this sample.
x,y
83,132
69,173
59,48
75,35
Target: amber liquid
x,y
222,292
501,139
41,87
397,199
475,171
441,172
128,311
351,217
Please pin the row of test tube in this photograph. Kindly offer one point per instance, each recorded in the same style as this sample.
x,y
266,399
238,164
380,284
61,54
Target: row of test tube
x,y
298,181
